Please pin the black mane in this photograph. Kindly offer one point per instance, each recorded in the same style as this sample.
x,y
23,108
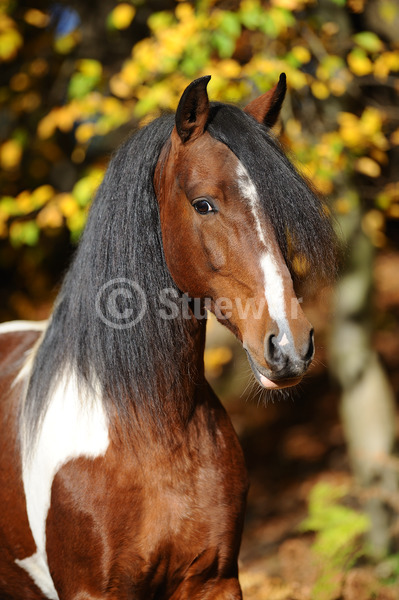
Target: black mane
x,y
122,239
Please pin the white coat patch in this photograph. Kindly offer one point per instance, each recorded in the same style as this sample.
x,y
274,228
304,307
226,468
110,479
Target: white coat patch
x,y
15,326
74,425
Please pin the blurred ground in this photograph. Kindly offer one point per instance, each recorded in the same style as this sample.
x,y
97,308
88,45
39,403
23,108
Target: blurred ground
x,y
292,442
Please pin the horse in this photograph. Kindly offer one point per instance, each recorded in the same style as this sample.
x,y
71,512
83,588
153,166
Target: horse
x,y
121,474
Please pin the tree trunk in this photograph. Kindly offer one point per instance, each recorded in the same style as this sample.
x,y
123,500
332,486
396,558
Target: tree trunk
x,y
367,403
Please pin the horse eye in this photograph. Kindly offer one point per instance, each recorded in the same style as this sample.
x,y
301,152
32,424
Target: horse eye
x,y
203,207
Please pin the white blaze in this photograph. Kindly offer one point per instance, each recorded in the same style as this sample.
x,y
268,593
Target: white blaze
x,y
274,293
273,278
248,190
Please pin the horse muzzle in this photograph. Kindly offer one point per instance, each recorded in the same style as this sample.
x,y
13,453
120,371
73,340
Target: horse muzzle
x,y
285,365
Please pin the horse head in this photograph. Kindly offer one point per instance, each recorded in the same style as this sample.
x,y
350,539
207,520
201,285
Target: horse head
x,y
220,243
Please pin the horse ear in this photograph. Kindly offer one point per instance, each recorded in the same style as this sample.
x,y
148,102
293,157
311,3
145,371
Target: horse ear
x,y
193,110
266,108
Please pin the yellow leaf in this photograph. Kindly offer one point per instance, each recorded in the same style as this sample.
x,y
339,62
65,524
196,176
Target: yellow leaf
x,y
24,202
30,101
230,69
296,78
216,358
3,230
38,67
320,90
373,224
42,195
122,15
78,155
359,63
302,54
343,206
373,220
395,138
19,82
67,204
368,166
10,155
130,73
36,17
66,43
47,126
111,105
185,12
381,67
66,116
10,42
84,132
76,221
338,86
324,186
350,129
119,87
293,128
380,156
394,211
50,216
89,67
371,120
288,4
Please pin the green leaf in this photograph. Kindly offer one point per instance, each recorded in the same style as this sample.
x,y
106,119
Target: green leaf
x,y
230,24
9,206
388,10
369,41
24,233
195,59
81,84
224,44
250,15
160,20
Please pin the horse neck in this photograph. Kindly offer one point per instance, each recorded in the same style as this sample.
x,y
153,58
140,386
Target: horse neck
x,y
187,390
168,426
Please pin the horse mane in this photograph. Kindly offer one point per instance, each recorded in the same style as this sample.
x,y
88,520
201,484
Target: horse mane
x,y
128,367
122,239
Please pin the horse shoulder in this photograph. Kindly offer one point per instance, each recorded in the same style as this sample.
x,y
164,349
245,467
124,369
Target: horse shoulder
x,y
128,521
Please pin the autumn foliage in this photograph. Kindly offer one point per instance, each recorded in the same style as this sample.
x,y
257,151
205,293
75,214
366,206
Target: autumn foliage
x,y
60,100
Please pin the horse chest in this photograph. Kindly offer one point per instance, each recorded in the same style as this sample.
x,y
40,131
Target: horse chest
x,y
141,521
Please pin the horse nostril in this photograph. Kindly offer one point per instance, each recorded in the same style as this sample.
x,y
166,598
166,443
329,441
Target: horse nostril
x,y
271,348
310,352
275,358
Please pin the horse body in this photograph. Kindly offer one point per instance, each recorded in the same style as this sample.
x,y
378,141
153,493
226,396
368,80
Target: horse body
x,y
135,528
121,474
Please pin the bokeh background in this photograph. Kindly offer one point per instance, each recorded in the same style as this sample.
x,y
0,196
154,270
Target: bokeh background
x,y
76,78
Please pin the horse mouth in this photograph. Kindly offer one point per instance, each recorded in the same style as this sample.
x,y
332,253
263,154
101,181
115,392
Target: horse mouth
x,y
266,379
269,384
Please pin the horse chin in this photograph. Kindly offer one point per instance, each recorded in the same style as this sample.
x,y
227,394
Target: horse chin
x,y
267,382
